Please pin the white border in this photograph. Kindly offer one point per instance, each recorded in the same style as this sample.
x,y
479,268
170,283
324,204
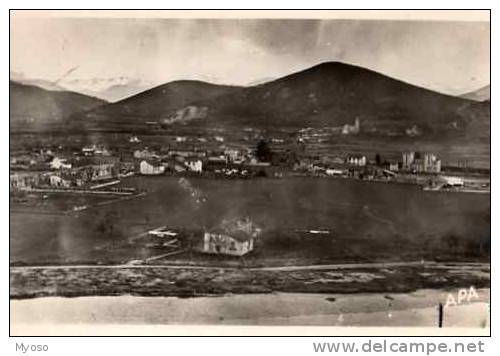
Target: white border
x,y
226,346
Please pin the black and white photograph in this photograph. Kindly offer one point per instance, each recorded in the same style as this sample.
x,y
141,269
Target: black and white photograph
x,y
259,169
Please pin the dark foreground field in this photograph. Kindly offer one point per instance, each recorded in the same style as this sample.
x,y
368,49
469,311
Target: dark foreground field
x,y
365,222
76,281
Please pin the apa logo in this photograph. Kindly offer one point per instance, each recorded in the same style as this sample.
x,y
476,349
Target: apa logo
x,y
463,295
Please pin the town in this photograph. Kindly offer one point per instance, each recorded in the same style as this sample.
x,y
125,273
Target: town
x,y
98,166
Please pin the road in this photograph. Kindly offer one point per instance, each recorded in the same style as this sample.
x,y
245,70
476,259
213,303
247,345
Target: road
x,y
276,268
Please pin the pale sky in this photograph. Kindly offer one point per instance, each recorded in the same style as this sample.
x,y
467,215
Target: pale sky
x,y
450,57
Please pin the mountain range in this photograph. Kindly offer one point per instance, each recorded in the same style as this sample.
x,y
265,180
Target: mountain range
x,y
329,94
109,89
36,108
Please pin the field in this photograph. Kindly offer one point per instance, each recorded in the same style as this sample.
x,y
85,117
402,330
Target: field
x,y
363,221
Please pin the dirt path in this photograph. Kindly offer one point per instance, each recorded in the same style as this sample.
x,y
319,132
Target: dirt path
x,y
276,268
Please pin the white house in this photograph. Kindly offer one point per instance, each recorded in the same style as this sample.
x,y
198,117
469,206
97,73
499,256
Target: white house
x,y
219,242
148,168
232,237
194,165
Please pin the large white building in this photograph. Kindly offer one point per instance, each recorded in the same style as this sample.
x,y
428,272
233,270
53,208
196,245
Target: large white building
x,y
428,164
150,168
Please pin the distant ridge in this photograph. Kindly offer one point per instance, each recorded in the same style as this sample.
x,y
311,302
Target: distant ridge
x,y
161,102
328,94
481,94
34,107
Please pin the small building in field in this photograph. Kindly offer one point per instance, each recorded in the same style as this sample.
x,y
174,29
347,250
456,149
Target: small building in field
x,y
238,243
233,237
151,168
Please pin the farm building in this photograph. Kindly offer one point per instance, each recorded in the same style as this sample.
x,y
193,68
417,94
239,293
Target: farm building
x,y
219,242
233,237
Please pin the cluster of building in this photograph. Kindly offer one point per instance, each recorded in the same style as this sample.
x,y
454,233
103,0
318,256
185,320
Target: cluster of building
x,y
66,177
286,154
48,169
196,161
92,163
359,166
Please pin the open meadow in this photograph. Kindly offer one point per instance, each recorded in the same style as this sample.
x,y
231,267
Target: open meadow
x,y
358,221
